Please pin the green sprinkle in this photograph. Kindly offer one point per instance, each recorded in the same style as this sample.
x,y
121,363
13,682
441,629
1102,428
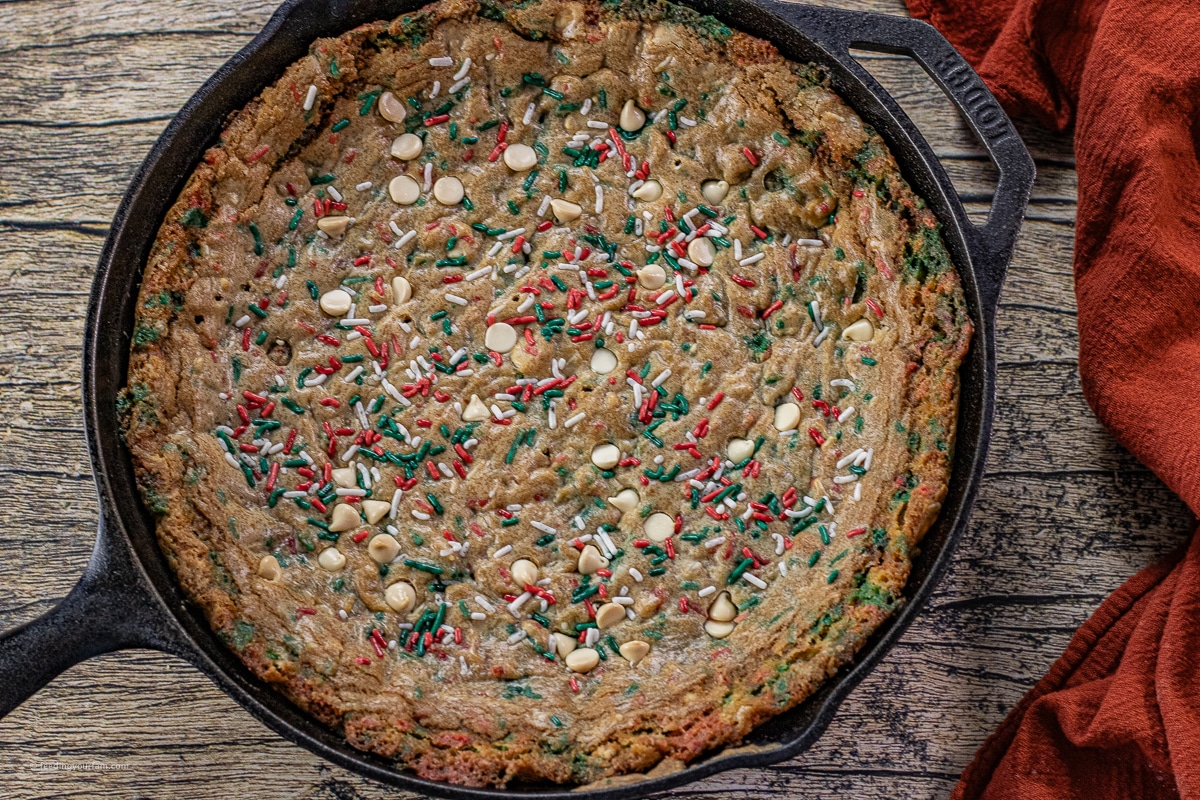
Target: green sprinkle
x,y
432,569
341,125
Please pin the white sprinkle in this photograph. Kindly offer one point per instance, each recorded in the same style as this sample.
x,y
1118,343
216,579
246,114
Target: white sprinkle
x,y
335,194
858,491
822,335
519,635
362,187
545,205
437,87
737,249
637,576
453,298
514,608
850,458
666,297
242,321
350,492
477,274
717,542
514,233
478,615
779,543
463,70
525,120
420,515
315,380
839,479
810,243
662,376
599,199
846,414
870,456
396,495
814,308
454,87
428,177
843,383
595,123
405,239
575,420
441,61
310,98
754,580
782,567
754,259
496,248
395,395
503,551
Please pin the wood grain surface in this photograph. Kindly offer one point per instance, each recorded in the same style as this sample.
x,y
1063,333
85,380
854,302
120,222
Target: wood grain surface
x,y
1064,517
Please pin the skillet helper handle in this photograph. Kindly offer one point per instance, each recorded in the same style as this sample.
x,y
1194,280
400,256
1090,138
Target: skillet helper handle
x,y
109,609
837,31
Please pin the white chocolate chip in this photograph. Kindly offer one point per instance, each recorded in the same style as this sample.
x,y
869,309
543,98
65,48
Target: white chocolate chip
x,y
739,450
383,548
392,108
718,630
404,190
583,659
722,609
606,456
787,416
635,651
565,211
564,645
331,559
375,510
336,302
345,477
860,331
701,251
714,191
520,157
604,360
344,518
651,276
400,596
590,560
649,191
333,227
658,527
268,569
609,615
401,290
500,337
632,118
475,411
626,500
524,572
407,146
449,191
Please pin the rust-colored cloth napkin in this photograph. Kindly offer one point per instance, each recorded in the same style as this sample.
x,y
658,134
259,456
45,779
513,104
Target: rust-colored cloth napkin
x,y
1118,715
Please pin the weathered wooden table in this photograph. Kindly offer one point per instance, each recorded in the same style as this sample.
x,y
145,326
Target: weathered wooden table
x,y
85,88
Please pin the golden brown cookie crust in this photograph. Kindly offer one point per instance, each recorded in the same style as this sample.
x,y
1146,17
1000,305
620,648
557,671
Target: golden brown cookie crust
x,y
848,331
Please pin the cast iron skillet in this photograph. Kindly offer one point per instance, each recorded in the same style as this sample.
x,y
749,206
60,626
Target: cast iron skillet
x,y
128,597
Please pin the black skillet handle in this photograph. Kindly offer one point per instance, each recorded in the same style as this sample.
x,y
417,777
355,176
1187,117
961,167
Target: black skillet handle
x,y
109,609
836,31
